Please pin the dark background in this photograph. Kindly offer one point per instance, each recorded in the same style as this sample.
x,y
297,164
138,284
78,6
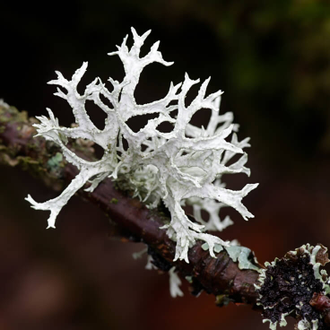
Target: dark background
x,y
272,59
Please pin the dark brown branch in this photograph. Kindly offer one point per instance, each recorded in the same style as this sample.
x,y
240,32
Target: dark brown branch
x,y
219,276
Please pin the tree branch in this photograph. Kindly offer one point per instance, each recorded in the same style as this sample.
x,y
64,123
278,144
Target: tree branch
x,y
220,276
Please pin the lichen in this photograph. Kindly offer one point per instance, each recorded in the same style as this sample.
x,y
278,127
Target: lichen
x,y
176,168
55,161
175,283
287,286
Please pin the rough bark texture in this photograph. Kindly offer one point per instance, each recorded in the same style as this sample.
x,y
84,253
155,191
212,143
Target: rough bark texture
x,y
129,217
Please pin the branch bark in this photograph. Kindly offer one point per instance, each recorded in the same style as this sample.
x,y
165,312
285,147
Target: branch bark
x,y
220,276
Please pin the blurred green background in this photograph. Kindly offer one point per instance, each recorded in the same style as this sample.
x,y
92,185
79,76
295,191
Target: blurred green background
x,y
272,59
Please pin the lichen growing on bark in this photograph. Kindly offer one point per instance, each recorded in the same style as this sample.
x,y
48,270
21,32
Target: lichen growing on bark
x,y
183,166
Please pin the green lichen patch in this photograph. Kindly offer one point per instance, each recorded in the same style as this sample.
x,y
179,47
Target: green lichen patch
x,y
244,256
240,254
56,161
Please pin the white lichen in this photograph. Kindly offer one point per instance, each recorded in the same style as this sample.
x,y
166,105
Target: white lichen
x,y
183,166
175,283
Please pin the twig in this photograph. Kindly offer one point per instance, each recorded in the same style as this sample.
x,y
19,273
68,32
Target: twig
x,y
220,276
